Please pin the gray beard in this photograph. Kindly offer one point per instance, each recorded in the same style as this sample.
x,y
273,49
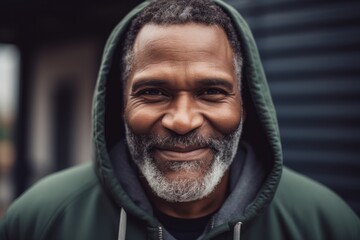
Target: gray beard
x,y
183,189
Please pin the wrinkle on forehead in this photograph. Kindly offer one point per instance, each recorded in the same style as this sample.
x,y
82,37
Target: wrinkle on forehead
x,y
192,43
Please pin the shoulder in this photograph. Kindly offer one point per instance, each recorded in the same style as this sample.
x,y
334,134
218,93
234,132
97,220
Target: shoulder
x,y
46,200
303,190
311,205
59,187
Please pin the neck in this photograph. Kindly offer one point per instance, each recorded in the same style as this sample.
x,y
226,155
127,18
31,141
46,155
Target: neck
x,y
194,209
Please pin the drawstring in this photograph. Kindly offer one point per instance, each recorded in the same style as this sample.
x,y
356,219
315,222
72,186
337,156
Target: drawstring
x,y
122,225
237,230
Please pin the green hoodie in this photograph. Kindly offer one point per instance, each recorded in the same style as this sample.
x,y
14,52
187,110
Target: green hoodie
x,y
93,201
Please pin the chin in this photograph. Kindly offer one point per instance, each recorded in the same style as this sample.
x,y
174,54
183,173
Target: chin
x,y
184,175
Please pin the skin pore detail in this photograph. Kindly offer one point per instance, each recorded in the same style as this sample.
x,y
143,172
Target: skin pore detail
x,y
183,116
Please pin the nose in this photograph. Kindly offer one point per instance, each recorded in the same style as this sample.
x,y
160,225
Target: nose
x,y
182,116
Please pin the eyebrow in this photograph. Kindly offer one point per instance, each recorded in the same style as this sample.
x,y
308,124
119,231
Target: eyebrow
x,y
215,82
202,82
148,82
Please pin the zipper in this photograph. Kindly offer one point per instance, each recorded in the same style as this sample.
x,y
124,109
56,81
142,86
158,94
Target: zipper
x,y
160,233
212,222
237,230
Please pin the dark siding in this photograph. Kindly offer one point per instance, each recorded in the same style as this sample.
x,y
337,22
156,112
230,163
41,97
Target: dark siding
x,y
311,55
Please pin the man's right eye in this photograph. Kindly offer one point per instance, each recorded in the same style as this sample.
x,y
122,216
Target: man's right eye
x,y
151,95
152,92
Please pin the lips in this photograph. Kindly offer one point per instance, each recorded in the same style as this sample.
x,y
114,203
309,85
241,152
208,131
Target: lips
x,y
182,153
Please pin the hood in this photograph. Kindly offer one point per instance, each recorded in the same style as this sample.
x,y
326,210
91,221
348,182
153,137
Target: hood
x,y
260,127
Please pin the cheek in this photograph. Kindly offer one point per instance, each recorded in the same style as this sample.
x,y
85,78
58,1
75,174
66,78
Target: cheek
x,y
141,120
225,119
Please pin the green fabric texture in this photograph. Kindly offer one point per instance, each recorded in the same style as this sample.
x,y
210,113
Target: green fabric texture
x,y
84,202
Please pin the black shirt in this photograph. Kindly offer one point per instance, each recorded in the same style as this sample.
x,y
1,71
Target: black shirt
x,y
183,228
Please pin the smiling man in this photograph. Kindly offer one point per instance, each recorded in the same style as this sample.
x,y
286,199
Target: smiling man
x,y
183,112
186,144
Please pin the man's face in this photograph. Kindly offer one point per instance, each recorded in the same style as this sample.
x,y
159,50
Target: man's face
x,y
182,109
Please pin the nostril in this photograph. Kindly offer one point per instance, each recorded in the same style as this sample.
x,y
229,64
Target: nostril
x,y
182,123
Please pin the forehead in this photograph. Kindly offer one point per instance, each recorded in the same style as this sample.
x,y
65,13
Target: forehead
x,y
182,42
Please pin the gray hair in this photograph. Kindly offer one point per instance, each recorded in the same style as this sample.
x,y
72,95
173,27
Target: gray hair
x,y
168,12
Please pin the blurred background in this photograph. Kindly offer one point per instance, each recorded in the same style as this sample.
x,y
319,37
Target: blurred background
x,y
50,53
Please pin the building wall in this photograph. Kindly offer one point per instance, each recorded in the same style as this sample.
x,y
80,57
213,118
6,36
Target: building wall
x,y
64,76
311,56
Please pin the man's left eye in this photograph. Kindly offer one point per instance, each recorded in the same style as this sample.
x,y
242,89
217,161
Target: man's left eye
x,y
213,91
213,94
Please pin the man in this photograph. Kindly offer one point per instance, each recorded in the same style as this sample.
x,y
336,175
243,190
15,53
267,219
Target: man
x,y
186,144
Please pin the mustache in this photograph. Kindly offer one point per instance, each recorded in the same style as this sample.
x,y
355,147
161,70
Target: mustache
x,y
189,140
